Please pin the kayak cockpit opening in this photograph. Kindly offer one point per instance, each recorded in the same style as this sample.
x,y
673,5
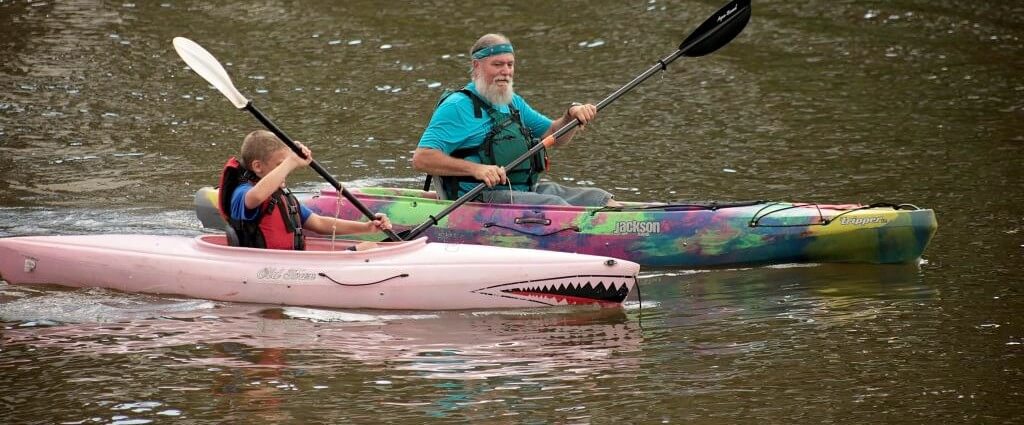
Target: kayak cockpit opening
x,y
314,245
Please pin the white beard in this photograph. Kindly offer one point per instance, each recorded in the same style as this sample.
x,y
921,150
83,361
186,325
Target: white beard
x,y
497,95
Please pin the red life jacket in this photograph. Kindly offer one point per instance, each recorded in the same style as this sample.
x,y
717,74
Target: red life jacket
x,y
279,223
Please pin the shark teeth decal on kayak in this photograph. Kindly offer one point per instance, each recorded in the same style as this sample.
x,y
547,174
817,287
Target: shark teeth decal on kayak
x,y
569,290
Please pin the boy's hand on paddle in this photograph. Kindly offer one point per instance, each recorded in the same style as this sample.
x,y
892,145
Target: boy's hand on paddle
x,y
301,161
379,223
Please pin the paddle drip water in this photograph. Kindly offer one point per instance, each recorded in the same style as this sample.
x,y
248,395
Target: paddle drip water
x,y
334,226
640,308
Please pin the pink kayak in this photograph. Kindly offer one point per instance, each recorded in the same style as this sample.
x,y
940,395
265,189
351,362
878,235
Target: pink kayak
x,y
413,275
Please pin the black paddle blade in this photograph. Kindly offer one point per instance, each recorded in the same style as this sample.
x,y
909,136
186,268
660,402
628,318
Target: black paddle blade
x,y
718,30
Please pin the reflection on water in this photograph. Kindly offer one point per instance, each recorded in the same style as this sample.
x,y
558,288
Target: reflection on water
x,y
853,337
277,355
850,337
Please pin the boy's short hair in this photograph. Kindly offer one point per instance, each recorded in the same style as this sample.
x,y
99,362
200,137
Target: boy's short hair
x,y
259,145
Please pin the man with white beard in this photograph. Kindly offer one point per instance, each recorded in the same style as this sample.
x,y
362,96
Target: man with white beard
x,y
475,131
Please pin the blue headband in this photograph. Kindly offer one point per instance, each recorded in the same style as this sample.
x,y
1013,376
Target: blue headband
x,y
496,49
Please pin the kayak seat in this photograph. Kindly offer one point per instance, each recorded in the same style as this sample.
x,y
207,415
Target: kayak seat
x,y
232,237
441,193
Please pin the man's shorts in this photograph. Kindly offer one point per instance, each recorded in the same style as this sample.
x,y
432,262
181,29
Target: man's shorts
x,y
547,193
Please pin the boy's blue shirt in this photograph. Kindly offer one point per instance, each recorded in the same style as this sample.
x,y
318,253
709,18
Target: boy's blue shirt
x,y
241,213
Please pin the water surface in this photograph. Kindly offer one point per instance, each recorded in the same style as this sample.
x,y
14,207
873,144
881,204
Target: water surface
x,y
103,129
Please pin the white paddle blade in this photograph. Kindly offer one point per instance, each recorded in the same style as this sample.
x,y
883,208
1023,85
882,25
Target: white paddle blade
x,y
207,66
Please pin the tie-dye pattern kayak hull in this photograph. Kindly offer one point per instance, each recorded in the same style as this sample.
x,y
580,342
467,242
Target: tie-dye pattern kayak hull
x,y
689,235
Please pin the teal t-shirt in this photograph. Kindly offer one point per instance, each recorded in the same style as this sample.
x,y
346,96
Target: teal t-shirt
x,y
454,125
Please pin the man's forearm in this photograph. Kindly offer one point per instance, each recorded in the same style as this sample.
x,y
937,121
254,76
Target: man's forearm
x,y
434,162
557,124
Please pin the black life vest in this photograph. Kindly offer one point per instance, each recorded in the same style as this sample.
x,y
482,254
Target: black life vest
x,y
279,224
508,139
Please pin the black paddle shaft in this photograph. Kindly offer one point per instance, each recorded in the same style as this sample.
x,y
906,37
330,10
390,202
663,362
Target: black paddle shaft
x,y
717,31
316,166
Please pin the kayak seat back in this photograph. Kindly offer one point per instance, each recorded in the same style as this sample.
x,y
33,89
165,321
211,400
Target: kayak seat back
x,y
232,236
441,191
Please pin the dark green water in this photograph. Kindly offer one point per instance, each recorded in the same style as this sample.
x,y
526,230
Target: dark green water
x,y
103,129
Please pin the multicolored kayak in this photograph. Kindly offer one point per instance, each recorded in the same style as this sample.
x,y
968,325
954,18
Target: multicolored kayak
x,y
413,275
689,235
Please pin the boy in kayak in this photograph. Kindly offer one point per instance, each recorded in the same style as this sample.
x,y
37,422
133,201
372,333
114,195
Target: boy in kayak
x,y
262,212
477,130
